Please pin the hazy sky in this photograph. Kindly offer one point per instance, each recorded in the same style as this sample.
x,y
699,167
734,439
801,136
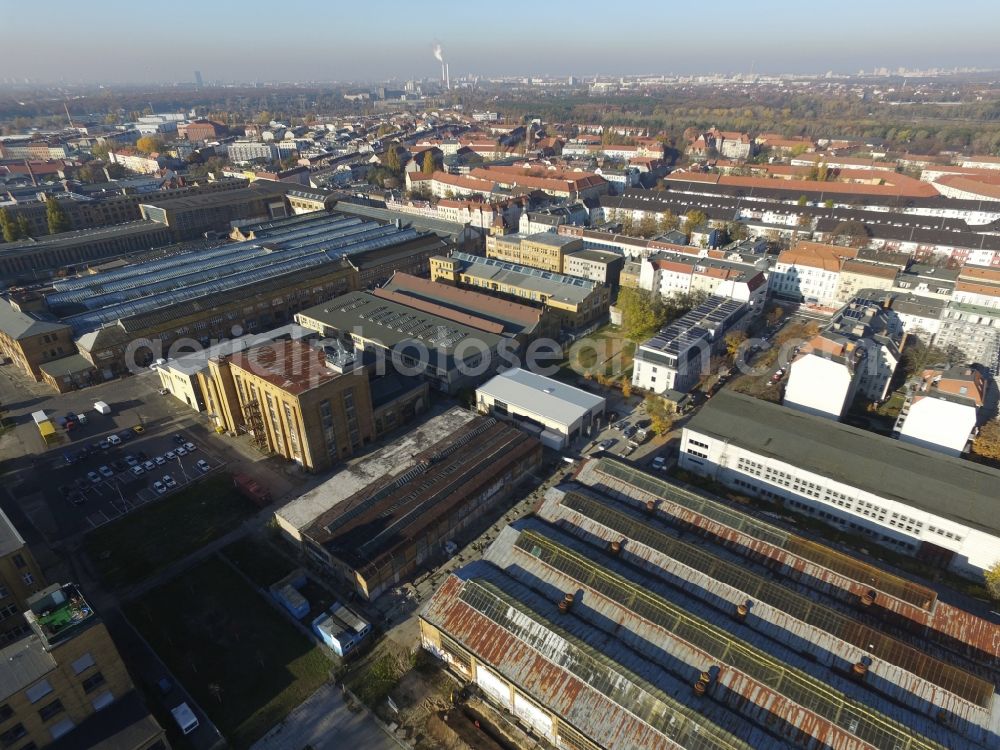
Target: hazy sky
x,y
245,40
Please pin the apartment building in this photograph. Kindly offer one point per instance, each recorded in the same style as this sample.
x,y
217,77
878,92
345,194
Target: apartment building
x,y
942,409
855,354
854,479
674,273
810,273
20,578
65,686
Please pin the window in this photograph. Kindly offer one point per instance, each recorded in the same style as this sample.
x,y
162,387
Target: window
x,y
19,561
7,611
12,735
38,691
64,726
4,592
52,709
93,682
27,578
84,663
103,700
5,712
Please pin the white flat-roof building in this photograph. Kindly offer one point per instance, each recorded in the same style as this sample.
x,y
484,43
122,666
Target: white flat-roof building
x,y
940,509
555,412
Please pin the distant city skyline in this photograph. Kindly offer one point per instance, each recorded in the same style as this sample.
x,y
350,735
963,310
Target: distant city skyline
x,y
254,41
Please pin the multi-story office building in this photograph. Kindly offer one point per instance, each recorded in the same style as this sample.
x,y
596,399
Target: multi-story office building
x,y
65,685
577,302
20,578
545,250
677,357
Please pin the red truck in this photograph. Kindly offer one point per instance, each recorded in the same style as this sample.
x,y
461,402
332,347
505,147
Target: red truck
x,y
251,490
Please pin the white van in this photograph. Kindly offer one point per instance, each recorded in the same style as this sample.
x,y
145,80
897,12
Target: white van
x,y
185,718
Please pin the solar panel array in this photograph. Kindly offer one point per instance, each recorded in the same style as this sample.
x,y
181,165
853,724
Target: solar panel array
x,y
850,567
281,264
694,326
802,608
797,686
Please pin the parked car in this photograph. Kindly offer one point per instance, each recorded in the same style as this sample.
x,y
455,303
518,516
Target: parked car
x,y
131,460
159,460
190,447
93,476
103,445
178,439
149,465
659,463
138,470
203,466
630,431
620,425
169,481
106,471
180,451
113,440
126,434
606,444
170,455
82,419
158,487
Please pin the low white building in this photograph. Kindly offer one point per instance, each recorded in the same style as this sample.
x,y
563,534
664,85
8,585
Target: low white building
x,y
940,509
810,272
942,411
555,412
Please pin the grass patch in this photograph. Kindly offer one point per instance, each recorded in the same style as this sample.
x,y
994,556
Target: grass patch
x,y
134,547
376,679
258,560
243,662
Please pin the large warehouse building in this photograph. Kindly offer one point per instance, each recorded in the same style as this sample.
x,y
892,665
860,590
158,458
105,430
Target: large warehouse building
x,y
918,501
378,522
137,312
631,612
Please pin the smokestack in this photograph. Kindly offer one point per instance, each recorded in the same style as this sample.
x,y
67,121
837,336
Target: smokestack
x,y
447,76
444,75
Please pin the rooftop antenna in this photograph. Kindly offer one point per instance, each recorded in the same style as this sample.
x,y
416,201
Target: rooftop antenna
x,y
68,116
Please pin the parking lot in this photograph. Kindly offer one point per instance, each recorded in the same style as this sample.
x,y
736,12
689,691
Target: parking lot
x,y
109,482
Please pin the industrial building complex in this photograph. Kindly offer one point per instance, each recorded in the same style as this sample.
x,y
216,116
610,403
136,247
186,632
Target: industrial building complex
x,y
634,612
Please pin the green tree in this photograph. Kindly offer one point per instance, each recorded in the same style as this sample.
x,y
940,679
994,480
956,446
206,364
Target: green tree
x,y
428,164
101,151
803,200
56,216
9,227
734,341
642,312
736,231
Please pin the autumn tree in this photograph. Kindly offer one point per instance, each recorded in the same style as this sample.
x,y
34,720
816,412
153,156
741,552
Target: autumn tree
x,y
23,227
390,159
668,222
661,417
626,388
987,442
852,233
8,226
428,165
647,226
149,144
734,341
736,231
775,315
992,578
56,216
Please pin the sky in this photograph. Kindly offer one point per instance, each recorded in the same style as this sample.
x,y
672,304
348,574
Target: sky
x,y
249,40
